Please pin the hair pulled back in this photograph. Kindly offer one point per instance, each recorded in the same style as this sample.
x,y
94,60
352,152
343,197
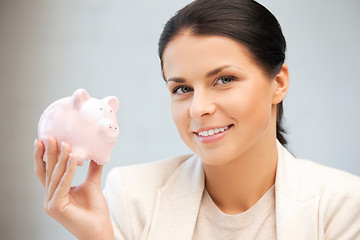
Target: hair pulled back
x,y
244,21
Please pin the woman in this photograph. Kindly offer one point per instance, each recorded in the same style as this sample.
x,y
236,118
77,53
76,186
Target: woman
x,y
223,63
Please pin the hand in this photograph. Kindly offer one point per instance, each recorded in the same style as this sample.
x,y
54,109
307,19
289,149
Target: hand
x,y
82,209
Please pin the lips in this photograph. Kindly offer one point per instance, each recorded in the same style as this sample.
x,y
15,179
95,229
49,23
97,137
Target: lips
x,y
212,134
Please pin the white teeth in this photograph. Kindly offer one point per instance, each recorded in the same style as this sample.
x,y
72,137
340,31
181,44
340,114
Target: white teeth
x,y
212,131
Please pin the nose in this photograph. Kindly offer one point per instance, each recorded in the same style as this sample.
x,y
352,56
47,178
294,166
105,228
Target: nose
x,y
108,126
113,127
202,105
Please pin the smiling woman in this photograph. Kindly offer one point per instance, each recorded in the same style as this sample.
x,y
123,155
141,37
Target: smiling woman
x,y
223,63
207,86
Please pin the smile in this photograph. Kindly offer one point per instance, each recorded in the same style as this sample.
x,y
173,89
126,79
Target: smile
x,y
212,131
212,135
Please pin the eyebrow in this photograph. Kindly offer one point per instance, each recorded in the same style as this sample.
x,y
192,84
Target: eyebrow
x,y
217,70
209,74
175,79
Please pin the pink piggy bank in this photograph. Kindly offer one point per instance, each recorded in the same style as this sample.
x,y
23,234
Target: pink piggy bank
x,y
88,124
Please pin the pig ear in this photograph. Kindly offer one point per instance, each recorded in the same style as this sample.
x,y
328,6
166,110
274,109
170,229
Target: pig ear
x,y
79,97
113,102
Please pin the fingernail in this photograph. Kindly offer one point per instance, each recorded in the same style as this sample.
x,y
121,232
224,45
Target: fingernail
x,y
69,160
45,141
35,143
62,146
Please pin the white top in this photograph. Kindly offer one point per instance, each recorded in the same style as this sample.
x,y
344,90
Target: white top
x,y
257,223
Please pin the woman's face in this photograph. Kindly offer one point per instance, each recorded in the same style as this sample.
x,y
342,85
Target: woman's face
x,y
221,100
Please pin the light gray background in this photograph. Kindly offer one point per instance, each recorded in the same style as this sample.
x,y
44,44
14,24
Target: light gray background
x,y
50,48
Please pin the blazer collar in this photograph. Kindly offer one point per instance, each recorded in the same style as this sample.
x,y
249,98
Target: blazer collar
x,y
178,203
296,205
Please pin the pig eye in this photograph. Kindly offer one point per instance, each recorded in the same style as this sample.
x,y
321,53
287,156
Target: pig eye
x,y
110,110
100,109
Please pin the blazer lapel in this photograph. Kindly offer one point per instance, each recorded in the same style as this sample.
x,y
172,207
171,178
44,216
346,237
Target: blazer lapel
x,y
296,206
178,203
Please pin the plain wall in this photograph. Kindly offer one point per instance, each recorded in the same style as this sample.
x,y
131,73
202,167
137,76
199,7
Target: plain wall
x,y
50,48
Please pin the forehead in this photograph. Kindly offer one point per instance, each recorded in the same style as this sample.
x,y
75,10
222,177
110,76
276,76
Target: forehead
x,y
189,54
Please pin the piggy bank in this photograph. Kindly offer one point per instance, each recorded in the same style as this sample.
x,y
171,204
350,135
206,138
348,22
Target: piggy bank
x,y
88,124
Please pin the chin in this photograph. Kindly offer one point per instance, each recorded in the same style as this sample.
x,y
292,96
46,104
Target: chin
x,y
215,158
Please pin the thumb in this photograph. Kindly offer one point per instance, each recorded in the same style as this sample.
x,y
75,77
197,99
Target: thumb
x,y
94,172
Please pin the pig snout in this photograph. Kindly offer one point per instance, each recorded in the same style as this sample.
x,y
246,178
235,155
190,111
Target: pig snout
x,y
109,128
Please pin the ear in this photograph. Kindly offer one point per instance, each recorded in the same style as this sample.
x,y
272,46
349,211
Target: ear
x,y
113,102
281,84
78,98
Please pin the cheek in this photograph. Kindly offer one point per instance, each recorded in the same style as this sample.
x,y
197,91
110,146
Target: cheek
x,y
259,115
253,107
179,115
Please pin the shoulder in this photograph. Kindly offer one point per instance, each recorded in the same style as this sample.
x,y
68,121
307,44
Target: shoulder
x,y
150,175
332,195
325,179
338,194
131,193
302,177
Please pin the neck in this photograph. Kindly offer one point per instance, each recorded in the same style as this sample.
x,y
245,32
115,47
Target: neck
x,y
238,184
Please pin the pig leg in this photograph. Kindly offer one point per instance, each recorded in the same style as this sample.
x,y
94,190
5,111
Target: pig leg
x,y
80,162
102,160
81,154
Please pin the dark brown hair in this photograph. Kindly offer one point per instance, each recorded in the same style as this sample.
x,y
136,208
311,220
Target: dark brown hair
x,y
244,21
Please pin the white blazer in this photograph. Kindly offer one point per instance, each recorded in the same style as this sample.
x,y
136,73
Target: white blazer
x,y
161,200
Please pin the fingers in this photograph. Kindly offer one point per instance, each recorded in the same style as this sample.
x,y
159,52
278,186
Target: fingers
x,y
40,166
59,169
51,157
63,188
94,173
